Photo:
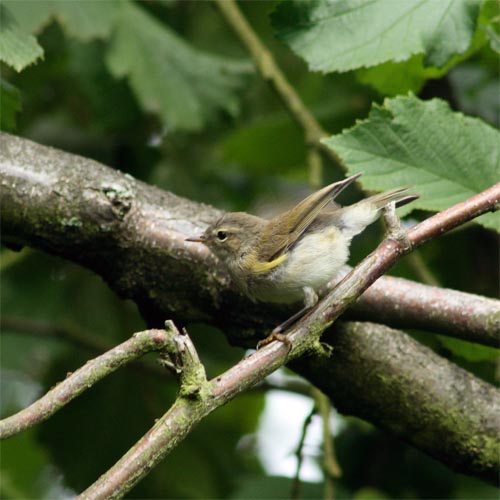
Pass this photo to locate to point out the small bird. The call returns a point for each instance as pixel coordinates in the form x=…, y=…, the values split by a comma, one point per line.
x=292, y=256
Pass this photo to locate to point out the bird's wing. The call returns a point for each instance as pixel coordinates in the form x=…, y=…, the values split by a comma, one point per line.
x=284, y=230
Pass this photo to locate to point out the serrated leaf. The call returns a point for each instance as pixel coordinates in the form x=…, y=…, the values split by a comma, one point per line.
x=340, y=35
x=10, y=104
x=447, y=156
x=183, y=85
x=393, y=78
x=18, y=48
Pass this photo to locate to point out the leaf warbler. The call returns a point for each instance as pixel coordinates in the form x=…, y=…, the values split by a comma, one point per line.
x=292, y=256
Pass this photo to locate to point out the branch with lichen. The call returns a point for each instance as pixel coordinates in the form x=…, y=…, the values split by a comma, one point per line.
x=469, y=446
x=129, y=233
x=305, y=337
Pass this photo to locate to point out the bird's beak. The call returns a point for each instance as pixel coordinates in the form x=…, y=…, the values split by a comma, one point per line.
x=196, y=239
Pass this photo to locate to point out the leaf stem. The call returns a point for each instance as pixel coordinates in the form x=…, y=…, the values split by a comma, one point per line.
x=271, y=73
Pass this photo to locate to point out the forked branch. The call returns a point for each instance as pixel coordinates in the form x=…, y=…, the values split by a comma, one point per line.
x=185, y=413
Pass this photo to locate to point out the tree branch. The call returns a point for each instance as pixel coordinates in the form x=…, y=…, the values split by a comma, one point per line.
x=441, y=310
x=84, y=378
x=467, y=416
x=131, y=233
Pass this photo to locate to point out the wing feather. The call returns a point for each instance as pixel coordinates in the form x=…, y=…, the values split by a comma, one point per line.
x=284, y=230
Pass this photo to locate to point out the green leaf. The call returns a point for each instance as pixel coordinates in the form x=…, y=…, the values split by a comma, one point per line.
x=489, y=22
x=84, y=20
x=393, y=78
x=468, y=350
x=183, y=85
x=10, y=104
x=18, y=48
x=271, y=143
x=346, y=34
x=447, y=156
x=32, y=15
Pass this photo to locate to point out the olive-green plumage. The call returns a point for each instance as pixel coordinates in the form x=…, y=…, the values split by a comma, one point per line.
x=293, y=255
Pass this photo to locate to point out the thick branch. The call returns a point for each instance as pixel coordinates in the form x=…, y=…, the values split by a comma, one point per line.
x=480, y=458
x=413, y=400
x=132, y=234
x=431, y=308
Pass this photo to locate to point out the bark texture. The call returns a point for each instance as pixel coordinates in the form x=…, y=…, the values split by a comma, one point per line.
x=425, y=400
x=132, y=234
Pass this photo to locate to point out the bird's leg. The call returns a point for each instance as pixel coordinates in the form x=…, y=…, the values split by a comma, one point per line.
x=310, y=300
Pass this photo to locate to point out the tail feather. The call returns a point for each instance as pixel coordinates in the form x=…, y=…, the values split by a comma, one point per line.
x=399, y=195
x=355, y=218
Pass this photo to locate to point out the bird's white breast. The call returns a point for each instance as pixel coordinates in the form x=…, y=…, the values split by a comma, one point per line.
x=312, y=262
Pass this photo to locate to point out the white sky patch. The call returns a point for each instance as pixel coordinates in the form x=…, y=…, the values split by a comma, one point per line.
x=279, y=433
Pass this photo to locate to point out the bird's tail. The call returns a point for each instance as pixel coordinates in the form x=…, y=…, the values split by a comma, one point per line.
x=400, y=195
x=355, y=218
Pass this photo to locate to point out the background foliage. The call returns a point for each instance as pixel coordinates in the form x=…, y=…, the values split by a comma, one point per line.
x=162, y=90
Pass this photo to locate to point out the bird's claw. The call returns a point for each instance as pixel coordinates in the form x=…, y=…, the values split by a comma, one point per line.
x=275, y=336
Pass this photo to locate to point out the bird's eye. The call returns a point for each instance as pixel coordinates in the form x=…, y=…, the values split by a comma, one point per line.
x=221, y=235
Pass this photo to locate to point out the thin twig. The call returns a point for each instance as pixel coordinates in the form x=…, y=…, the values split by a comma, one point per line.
x=83, y=379
x=299, y=453
x=331, y=467
x=391, y=250
x=270, y=71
